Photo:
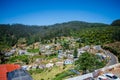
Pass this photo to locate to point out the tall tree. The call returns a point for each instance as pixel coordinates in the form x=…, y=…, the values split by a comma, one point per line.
x=88, y=62
x=75, y=53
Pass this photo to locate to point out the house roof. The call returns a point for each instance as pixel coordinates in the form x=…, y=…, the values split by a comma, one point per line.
x=5, y=68
x=19, y=74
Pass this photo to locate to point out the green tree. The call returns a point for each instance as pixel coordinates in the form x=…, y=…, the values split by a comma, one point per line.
x=80, y=45
x=75, y=53
x=88, y=62
x=116, y=35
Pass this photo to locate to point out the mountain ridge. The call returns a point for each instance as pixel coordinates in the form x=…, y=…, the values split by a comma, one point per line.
x=81, y=22
x=10, y=34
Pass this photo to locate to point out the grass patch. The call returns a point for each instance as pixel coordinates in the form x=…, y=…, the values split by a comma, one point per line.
x=33, y=50
x=35, y=71
x=62, y=75
x=49, y=74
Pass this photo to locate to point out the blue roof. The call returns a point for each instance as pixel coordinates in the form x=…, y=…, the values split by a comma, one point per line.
x=19, y=74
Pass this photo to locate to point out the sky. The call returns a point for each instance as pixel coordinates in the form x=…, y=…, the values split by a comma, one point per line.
x=48, y=12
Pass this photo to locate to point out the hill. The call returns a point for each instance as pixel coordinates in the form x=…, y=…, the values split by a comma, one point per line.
x=90, y=33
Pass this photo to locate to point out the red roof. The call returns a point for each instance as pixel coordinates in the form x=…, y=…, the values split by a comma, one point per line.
x=4, y=68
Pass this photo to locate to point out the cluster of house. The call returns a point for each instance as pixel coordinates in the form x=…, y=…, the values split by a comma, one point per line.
x=67, y=55
x=36, y=66
x=96, y=50
x=64, y=56
x=45, y=49
x=18, y=52
x=48, y=65
x=49, y=49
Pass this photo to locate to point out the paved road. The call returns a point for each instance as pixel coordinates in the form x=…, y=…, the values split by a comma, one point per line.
x=113, y=59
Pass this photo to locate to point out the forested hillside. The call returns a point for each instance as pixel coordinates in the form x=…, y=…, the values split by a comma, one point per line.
x=89, y=33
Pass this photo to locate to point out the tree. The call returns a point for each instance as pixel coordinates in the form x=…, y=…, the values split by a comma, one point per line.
x=80, y=45
x=116, y=35
x=75, y=53
x=2, y=58
x=88, y=62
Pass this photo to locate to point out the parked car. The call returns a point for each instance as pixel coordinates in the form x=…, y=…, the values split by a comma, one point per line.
x=111, y=76
x=102, y=78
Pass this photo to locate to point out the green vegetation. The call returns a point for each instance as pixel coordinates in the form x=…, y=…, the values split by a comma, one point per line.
x=62, y=75
x=51, y=56
x=98, y=35
x=9, y=33
x=20, y=58
x=49, y=74
x=35, y=71
x=64, y=44
x=84, y=34
x=33, y=50
x=90, y=33
x=75, y=53
x=88, y=62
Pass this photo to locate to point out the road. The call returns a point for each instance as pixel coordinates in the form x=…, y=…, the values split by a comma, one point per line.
x=113, y=59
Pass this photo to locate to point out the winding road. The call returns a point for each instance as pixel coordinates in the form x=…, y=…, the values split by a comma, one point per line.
x=113, y=59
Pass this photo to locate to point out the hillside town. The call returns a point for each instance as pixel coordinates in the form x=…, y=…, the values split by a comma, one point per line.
x=62, y=54
x=59, y=40
x=59, y=52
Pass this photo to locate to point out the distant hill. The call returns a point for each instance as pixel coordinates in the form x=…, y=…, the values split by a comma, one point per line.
x=10, y=34
x=78, y=25
x=116, y=22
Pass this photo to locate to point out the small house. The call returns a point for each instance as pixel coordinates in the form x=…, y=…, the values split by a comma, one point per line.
x=70, y=56
x=97, y=47
x=21, y=52
x=42, y=66
x=68, y=61
x=8, y=54
x=85, y=48
x=59, y=63
x=80, y=52
x=47, y=47
x=49, y=65
x=35, y=66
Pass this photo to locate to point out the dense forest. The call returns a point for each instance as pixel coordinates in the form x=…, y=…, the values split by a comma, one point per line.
x=89, y=33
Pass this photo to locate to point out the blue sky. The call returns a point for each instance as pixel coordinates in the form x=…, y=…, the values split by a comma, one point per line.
x=47, y=12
